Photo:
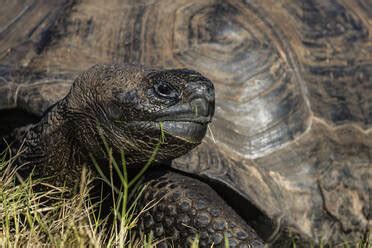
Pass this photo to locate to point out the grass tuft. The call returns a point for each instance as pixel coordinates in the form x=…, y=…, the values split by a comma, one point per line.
x=34, y=219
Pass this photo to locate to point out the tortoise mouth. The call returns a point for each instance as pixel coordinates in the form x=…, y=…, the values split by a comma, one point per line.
x=190, y=131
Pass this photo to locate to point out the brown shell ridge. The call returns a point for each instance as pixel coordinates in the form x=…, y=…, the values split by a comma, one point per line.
x=317, y=175
x=330, y=127
x=283, y=54
x=364, y=130
x=333, y=48
x=292, y=60
x=34, y=97
x=27, y=28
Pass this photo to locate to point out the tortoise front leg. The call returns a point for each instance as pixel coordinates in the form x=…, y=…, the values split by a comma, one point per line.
x=186, y=207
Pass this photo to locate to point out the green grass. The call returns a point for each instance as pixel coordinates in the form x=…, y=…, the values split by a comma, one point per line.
x=34, y=219
x=29, y=218
x=48, y=219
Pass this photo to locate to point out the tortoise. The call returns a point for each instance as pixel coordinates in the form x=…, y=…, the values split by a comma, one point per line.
x=290, y=144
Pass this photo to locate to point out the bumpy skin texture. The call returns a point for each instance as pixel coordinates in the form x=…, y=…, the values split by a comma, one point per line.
x=186, y=207
x=128, y=107
x=292, y=132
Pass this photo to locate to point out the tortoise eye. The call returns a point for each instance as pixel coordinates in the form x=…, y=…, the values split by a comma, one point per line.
x=164, y=90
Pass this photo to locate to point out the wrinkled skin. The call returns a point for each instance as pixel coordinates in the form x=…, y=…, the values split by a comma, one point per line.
x=292, y=128
x=136, y=111
x=127, y=106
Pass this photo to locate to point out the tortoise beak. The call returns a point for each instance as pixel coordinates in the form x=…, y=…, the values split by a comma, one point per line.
x=188, y=120
x=192, y=132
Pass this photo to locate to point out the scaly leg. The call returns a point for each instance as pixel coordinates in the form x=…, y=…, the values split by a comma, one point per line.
x=186, y=207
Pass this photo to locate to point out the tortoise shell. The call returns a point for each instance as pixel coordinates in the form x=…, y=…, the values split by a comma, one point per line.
x=292, y=127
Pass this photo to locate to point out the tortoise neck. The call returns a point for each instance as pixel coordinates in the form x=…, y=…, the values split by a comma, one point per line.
x=51, y=150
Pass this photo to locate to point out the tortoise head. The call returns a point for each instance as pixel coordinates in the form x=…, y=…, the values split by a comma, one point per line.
x=133, y=108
